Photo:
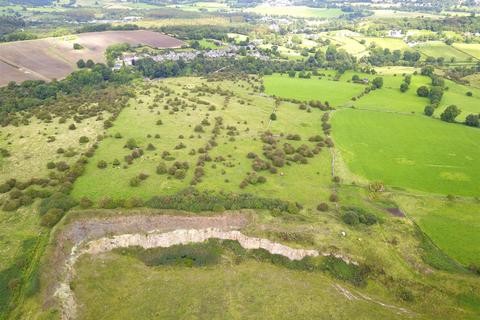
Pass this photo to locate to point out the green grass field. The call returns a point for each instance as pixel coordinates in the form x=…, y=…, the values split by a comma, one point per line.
x=412, y=152
x=251, y=118
x=208, y=44
x=394, y=14
x=349, y=44
x=457, y=95
x=452, y=225
x=324, y=89
x=390, y=98
x=385, y=43
x=439, y=49
x=472, y=49
x=250, y=290
x=19, y=232
x=296, y=11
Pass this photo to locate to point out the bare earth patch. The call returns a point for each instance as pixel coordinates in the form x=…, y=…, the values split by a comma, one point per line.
x=396, y=212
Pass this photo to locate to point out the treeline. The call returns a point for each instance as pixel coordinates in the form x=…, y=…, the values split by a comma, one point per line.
x=384, y=57
x=435, y=93
x=9, y=26
x=457, y=24
x=106, y=27
x=193, y=200
x=186, y=32
x=31, y=2
x=31, y=93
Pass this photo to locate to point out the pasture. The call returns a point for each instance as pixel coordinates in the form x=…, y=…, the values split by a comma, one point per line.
x=218, y=291
x=385, y=43
x=349, y=44
x=410, y=152
x=390, y=98
x=246, y=116
x=438, y=49
x=296, y=11
x=452, y=225
x=324, y=89
x=55, y=58
x=397, y=14
x=457, y=95
x=472, y=49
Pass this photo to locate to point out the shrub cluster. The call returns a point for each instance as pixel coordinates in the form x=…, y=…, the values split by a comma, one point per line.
x=354, y=216
x=193, y=200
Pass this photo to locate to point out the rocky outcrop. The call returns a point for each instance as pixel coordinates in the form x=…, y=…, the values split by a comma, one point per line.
x=155, y=240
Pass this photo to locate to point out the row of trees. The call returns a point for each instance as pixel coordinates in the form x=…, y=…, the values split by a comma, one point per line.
x=383, y=57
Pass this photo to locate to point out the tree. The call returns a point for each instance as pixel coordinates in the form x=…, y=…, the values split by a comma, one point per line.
x=450, y=113
x=473, y=120
x=436, y=94
x=423, y=91
x=404, y=87
x=355, y=78
x=81, y=64
x=377, y=82
x=102, y=164
x=291, y=73
x=89, y=64
x=427, y=71
x=195, y=45
x=273, y=117
x=429, y=110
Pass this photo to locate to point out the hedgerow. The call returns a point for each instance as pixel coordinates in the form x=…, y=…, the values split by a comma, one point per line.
x=193, y=200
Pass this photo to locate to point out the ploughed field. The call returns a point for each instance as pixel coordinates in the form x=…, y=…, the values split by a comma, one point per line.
x=55, y=58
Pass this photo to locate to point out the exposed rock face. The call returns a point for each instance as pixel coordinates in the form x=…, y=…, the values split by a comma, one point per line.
x=94, y=236
x=154, y=240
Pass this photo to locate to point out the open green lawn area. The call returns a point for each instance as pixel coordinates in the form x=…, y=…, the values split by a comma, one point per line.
x=19, y=232
x=412, y=152
x=457, y=95
x=349, y=44
x=244, y=120
x=208, y=44
x=385, y=43
x=296, y=11
x=439, y=49
x=249, y=290
x=390, y=98
x=472, y=49
x=337, y=93
x=394, y=14
x=452, y=225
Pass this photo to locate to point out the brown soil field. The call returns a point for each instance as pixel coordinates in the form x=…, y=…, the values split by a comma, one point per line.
x=14, y=74
x=54, y=58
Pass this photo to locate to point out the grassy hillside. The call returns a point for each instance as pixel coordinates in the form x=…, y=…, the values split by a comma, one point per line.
x=245, y=114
